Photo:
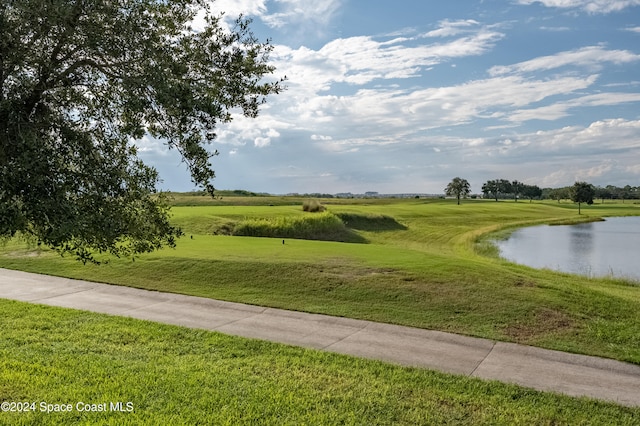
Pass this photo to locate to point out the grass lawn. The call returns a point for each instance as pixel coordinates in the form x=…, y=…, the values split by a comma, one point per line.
x=173, y=375
x=426, y=267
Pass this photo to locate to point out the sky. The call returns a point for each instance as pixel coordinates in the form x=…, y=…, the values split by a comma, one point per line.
x=402, y=96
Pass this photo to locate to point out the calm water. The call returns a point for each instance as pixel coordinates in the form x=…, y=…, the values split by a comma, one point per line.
x=610, y=248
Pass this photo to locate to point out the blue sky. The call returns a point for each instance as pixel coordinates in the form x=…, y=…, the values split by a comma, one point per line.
x=403, y=96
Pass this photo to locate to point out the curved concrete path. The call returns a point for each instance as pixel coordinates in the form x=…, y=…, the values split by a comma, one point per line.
x=547, y=370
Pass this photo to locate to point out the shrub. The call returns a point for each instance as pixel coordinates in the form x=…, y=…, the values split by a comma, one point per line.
x=312, y=206
x=324, y=226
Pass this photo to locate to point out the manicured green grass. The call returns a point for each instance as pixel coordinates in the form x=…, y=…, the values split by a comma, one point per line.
x=172, y=375
x=420, y=267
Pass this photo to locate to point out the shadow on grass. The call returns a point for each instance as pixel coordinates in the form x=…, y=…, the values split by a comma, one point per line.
x=374, y=223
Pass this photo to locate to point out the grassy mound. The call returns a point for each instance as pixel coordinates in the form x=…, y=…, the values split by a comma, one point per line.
x=323, y=226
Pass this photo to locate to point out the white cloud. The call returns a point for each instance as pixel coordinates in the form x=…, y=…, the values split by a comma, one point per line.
x=278, y=13
x=555, y=29
x=452, y=28
x=388, y=114
x=590, y=6
x=260, y=131
x=361, y=60
x=613, y=134
x=454, y=105
x=600, y=138
x=262, y=142
x=561, y=109
x=601, y=152
x=319, y=12
x=151, y=145
x=410, y=106
x=593, y=170
x=265, y=139
x=321, y=138
x=633, y=169
x=591, y=56
x=233, y=8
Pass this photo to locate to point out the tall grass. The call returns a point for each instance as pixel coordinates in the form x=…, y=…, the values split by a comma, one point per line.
x=324, y=226
x=312, y=206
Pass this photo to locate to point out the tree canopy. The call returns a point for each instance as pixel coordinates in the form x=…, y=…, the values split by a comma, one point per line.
x=503, y=188
x=497, y=187
x=582, y=192
x=80, y=81
x=531, y=191
x=458, y=187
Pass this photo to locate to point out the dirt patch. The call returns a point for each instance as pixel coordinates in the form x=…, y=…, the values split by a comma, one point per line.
x=350, y=273
x=338, y=268
x=543, y=321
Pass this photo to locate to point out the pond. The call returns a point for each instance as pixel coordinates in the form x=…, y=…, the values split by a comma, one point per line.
x=610, y=248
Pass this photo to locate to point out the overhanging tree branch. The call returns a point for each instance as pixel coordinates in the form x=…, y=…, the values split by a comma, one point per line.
x=86, y=77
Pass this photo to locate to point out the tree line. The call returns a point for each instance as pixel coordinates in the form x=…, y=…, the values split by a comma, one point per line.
x=609, y=192
x=502, y=188
x=580, y=192
x=505, y=189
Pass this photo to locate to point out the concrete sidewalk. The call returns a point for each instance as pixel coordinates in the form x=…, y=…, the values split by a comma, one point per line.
x=575, y=375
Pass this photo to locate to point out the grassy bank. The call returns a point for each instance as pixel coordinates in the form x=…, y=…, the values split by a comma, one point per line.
x=419, y=268
x=172, y=375
x=323, y=226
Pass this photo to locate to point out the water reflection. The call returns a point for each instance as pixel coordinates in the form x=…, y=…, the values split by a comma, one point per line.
x=610, y=248
x=581, y=248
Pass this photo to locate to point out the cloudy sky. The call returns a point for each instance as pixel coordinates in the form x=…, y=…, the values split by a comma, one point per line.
x=402, y=96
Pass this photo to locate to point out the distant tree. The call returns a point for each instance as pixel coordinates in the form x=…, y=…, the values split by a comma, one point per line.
x=618, y=193
x=490, y=187
x=516, y=187
x=559, y=194
x=531, y=191
x=613, y=190
x=458, y=187
x=626, y=192
x=504, y=186
x=602, y=193
x=582, y=192
x=497, y=187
